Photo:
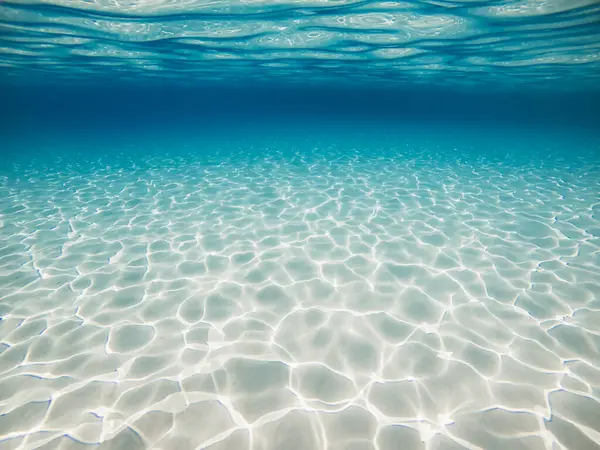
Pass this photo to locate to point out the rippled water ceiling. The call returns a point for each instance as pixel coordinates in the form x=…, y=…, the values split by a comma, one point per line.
x=494, y=44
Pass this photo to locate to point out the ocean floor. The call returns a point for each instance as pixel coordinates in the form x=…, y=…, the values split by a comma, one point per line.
x=377, y=291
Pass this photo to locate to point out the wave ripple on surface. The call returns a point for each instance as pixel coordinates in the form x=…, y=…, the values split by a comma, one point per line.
x=532, y=43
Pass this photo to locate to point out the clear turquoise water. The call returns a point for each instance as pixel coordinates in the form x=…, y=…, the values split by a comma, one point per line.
x=433, y=285
x=301, y=225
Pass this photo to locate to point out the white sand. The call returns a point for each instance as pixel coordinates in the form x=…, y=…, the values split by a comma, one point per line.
x=301, y=303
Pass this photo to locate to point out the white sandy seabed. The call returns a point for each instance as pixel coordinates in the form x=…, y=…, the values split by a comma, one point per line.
x=387, y=302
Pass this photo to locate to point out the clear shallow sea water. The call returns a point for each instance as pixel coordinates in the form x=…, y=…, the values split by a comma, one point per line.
x=302, y=225
x=321, y=286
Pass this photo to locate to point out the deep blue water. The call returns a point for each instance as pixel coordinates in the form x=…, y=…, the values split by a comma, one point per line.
x=300, y=224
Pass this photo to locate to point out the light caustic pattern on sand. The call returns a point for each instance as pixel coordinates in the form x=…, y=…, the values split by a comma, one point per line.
x=304, y=302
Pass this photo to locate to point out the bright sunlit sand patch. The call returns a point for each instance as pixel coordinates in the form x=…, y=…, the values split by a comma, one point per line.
x=303, y=300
